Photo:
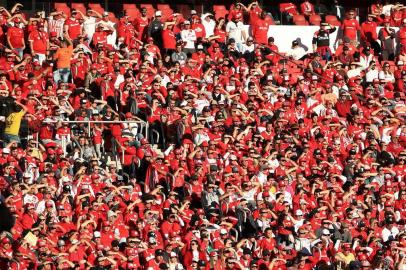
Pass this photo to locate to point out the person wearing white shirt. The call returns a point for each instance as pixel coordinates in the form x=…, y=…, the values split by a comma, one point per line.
x=188, y=36
x=235, y=31
x=372, y=72
x=355, y=70
x=89, y=22
x=209, y=24
x=249, y=46
x=297, y=52
x=389, y=232
x=112, y=38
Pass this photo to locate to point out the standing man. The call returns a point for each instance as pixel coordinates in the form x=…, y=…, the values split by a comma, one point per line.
x=387, y=37
x=260, y=29
x=72, y=26
x=321, y=40
x=155, y=29
x=235, y=30
x=15, y=37
x=89, y=22
x=111, y=28
x=13, y=122
x=368, y=33
x=188, y=36
x=39, y=43
x=63, y=60
x=351, y=28
x=141, y=24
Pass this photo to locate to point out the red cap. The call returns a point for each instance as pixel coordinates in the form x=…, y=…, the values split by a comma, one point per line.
x=49, y=204
x=50, y=151
x=339, y=77
x=5, y=240
x=150, y=39
x=106, y=223
x=128, y=115
x=282, y=183
x=386, y=20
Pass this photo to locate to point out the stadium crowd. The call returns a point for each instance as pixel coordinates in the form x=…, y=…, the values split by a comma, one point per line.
x=253, y=159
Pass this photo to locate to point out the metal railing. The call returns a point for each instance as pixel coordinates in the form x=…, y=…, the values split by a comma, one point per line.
x=143, y=127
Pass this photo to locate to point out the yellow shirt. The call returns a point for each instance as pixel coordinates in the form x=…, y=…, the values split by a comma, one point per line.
x=13, y=122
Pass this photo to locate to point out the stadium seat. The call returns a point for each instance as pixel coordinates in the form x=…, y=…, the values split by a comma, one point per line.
x=300, y=20
x=219, y=7
x=331, y=19
x=150, y=9
x=65, y=10
x=269, y=20
x=166, y=13
x=112, y=17
x=220, y=14
x=129, y=6
x=163, y=7
x=96, y=7
x=315, y=19
x=60, y=5
x=80, y=7
x=132, y=12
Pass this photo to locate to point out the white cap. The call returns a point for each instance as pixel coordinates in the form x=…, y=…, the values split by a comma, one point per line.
x=111, y=214
x=105, y=13
x=27, y=175
x=233, y=157
x=158, y=13
x=193, y=12
x=299, y=212
x=315, y=242
x=173, y=254
x=200, y=47
x=223, y=231
x=314, y=77
x=400, y=62
x=6, y=150
x=325, y=232
x=74, y=241
x=96, y=234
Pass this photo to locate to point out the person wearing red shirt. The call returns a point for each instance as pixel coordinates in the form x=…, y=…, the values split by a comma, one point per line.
x=39, y=43
x=307, y=8
x=73, y=27
x=100, y=36
x=288, y=10
x=351, y=28
x=198, y=27
x=260, y=29
x=141, y=24
x=369, y=34
x=168, y=38
x=15, y=37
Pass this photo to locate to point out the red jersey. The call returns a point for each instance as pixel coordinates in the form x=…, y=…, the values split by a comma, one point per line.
x=350, y=28
x=74, y=28
x=39, y=41
x=16, y=36
x=260, y=31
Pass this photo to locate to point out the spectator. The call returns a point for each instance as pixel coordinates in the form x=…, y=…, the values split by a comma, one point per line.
x=387, y=36
x=63, y=57
x=189, y=37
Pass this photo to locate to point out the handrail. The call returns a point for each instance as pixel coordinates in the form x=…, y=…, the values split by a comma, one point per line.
x=144, y=123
